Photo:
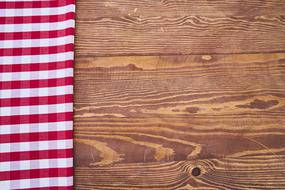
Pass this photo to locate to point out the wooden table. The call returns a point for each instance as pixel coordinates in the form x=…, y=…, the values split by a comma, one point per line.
x=180, y=94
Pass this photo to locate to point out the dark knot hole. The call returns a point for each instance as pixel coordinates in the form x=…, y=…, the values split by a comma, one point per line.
x=196, y=171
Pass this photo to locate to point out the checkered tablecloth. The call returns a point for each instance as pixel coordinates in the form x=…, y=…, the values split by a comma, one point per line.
x=36, y=89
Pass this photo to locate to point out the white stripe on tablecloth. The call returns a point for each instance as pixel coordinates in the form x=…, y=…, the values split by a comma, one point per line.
x=45, y=42
x=37, y=183
x=36, y=92
x=35, y=164
x=36, y=109
x=28, y=59
x=36, y=26
x=35, y=145
x=36, y=75
x=36, y=127
x=37, y=11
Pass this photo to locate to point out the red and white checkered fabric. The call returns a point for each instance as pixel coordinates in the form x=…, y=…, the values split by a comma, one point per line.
x=36, y=88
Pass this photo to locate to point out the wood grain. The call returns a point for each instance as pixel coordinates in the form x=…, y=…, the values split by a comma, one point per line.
x=179, y=27
x=143, y=122
x=166, y=86
x=90, y=9
x=252, y=172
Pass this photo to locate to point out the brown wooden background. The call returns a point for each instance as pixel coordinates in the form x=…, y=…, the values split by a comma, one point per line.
x=165, y=86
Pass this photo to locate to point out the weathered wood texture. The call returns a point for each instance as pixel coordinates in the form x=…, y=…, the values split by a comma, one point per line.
x=144, y=122
x=116, y=27
x=164, y=86
x=253, y=172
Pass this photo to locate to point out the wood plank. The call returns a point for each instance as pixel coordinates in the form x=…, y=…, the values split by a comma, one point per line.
x=179, y=27
x=253, y=172
x=175, y=108
x=135, y=117
x=90, y=9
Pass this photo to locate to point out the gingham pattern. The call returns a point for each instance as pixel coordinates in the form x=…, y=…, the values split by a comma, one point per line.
x=36, y=87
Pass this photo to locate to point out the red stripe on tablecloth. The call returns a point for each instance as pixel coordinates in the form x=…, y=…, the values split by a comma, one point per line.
x=36, y=66
x=36, y=34
x=36, y=155
x=36, y=173
x=41, y=136
x=35, y=118
x=36, y=83
x=36, y=50
x=30, y=101
x=35, y=4
x=36, y=19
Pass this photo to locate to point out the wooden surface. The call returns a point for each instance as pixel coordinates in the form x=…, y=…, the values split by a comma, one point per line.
x=164, y=87
x=116, y=27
